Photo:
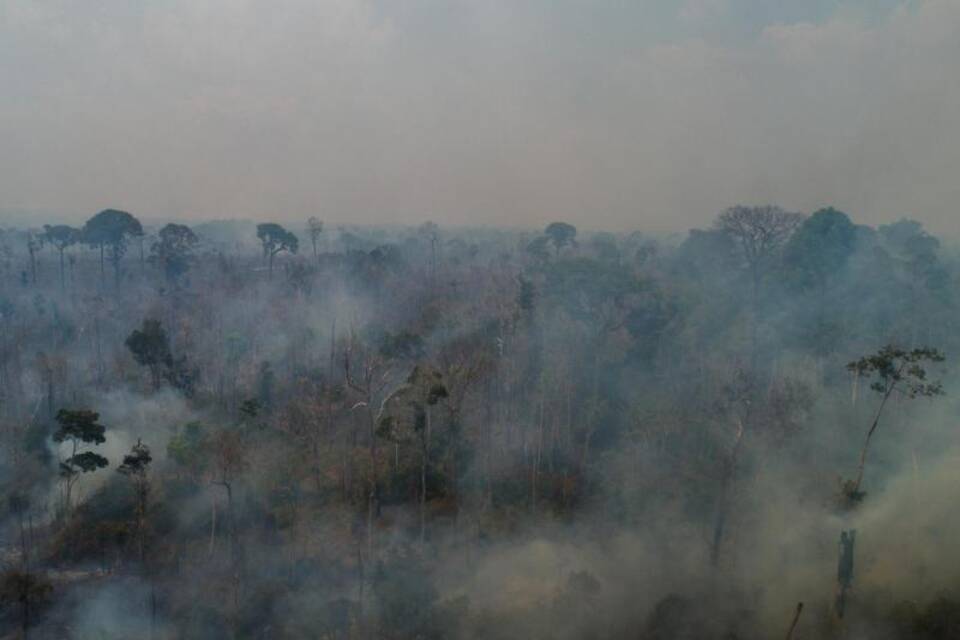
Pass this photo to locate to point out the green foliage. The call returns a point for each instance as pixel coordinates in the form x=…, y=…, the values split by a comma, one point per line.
x=561, y=235
x=61, y=236
x=275, y=239
x=893, y=368
x=84, y=462
x=150, y=345
x=173, y=251
x=111, y=227
x=820, y=249
x=79, y=425
x=137, y=461
x=76, y=428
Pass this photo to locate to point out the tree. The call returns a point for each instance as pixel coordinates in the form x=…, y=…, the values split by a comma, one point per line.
x=917, y=251
x=315, y=230
x=367, y=365
x=410, y=406
x=759, y=233
x=892, y=370
x=62, y=237
x=134, y=466
x=537, y=248
x=150, y=347
x=78, y=428
x=431, y=232
x=109, y=231
x=561, y=235
x=276, y=239
x=35, y=243
x=173, y=251
x=820, y=247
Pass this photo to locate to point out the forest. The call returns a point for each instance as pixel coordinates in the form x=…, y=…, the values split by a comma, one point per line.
x=247, y=429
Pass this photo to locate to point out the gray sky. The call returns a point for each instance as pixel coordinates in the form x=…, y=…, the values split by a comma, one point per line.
x=617, y=114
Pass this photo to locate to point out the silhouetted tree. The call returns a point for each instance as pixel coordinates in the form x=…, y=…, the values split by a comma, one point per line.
x=820, y=248
x=109, y=231
x=561, y=235
x=173, y=251
x=35, y=242
x=62, y=237
x=275, y=239
x=150, y=347
x=135, y=466
x=892, y=370
x=78, y=428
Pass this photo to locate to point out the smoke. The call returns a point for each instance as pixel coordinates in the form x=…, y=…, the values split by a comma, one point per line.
x=479, y=112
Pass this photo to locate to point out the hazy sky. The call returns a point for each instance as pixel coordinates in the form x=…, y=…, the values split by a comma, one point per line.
x=619, y=114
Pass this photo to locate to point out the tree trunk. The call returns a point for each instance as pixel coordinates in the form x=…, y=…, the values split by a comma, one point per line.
x=423, y=480
x=723, y=499
x=213, y=526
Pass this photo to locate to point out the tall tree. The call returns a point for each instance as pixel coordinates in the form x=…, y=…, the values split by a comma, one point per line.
x=892, y=370
x=150, y=347
x=62, y=237
x=77, y=429
x=35, y=242
x=820, y=247
x=135, y=466
x=561, y=235
x=275, y=239
x=109, y=232
x=410, y=407
x=173, y=251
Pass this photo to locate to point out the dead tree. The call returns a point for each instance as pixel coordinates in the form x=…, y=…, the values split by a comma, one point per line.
x=845, y=569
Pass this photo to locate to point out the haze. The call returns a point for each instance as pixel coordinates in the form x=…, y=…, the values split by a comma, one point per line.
x=610, y=115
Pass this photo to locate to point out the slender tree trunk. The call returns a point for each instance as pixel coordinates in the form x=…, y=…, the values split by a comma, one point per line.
x=423, y=479
x=755, y=324
x=213, y=526
x=538, y=453
x=63, y=275
x=866, y=443
x=723, y=499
